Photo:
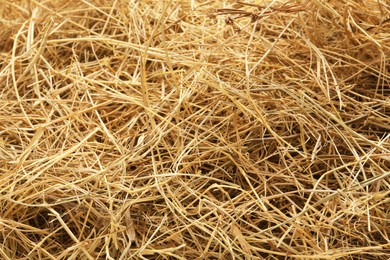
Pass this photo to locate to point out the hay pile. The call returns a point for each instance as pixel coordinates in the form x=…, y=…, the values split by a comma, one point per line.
x=194, y=129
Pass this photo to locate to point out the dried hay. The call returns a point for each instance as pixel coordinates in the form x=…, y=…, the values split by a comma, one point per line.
x=190, y=129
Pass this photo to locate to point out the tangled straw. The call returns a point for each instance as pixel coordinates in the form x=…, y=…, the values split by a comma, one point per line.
x=189, y=130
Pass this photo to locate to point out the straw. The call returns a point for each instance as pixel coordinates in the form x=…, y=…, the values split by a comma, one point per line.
x=194, y=130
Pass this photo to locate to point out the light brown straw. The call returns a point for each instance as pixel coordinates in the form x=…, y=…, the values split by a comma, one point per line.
x=194, y=129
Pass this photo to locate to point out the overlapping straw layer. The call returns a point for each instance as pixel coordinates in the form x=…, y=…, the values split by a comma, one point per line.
x=194, y=129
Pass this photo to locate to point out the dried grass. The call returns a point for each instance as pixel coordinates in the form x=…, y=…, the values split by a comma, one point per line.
x=189, y=129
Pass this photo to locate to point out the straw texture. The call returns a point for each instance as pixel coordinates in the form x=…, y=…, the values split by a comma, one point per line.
x=194, y=129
